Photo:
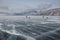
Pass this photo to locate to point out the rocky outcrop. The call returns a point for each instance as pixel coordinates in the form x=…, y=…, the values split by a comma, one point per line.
x=51, y=12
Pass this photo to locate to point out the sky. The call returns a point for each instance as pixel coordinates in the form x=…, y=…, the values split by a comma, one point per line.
x=22, y=5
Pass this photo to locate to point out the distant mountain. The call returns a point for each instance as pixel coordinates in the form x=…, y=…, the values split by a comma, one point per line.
x=35, y=12
x=27, y=12
x=52, y=12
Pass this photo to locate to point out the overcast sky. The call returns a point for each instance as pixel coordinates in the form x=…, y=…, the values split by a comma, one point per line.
x=22, y=5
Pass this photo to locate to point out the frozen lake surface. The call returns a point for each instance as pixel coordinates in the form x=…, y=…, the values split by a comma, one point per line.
x=31, y=28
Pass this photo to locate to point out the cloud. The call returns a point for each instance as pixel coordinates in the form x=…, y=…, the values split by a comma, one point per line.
x=11, y=7
x=44, y=5
x=3, y=8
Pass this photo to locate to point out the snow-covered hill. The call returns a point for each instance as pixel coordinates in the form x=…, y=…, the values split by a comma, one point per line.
x=50, y=12
x=35, y=12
